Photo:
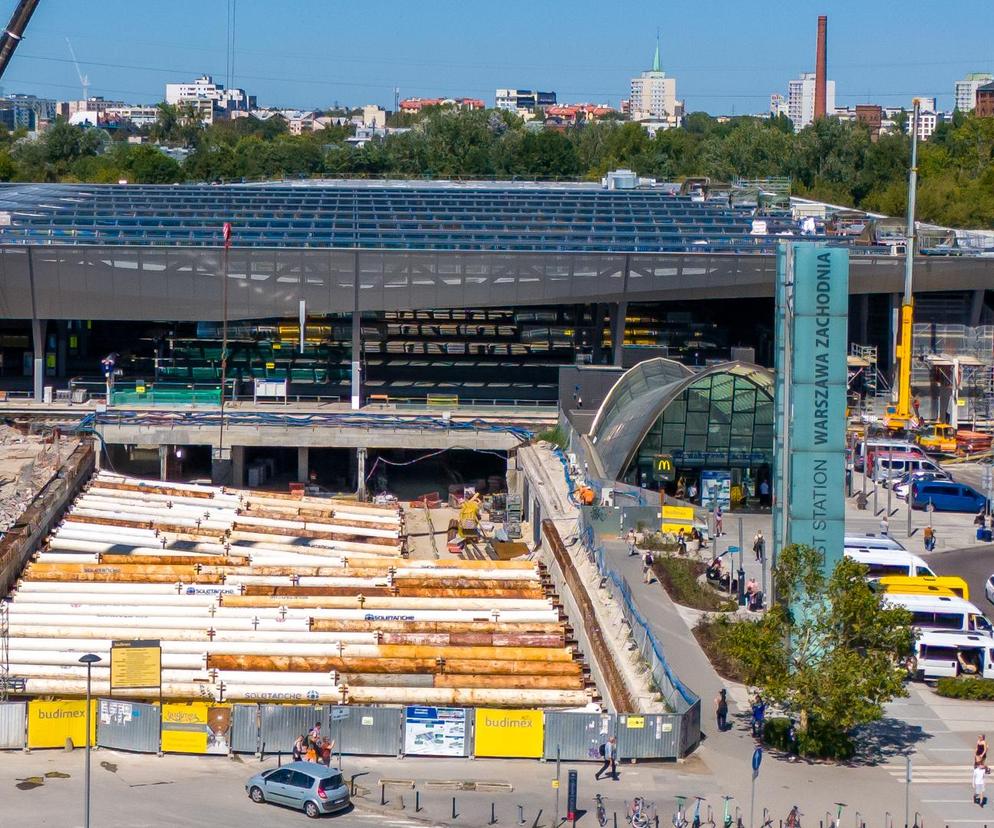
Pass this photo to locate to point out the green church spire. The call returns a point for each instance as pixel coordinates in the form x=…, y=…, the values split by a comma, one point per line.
x=655, y=59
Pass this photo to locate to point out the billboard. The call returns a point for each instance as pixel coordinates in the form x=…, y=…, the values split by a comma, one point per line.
x=509, y=733
x=50, y=723
x=435, y=731
x=135, y=665
x=810, y=398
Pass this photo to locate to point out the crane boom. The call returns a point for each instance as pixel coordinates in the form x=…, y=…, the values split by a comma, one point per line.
x=15, y=31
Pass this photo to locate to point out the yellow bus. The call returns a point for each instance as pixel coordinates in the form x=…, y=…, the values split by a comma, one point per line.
x=924, y=585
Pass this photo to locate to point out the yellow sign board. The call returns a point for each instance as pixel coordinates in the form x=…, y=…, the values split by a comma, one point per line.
x=50, y=723
x=139, y=389
x=509, y=733
x=635, y=722
x=678, y=513
x=555, y=783
x=135, y=665
x=184, y=728
x=270, y=366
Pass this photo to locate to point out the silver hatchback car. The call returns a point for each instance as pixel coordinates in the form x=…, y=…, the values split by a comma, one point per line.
x=306, y=786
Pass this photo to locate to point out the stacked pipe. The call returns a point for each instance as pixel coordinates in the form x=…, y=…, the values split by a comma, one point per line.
x=276, y=597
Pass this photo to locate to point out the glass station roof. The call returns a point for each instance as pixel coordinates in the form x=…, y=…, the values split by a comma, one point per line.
x=383, y=215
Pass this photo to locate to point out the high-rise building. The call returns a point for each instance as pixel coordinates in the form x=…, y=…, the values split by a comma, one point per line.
x=653, y=96
x=801, y=99
x=965, y=92
x=209, y=98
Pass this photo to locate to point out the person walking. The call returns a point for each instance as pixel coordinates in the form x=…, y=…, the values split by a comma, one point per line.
x=928, y=537
x=719, y=528
x=647, y=561
x=759, y=546
x=299, y=748
x=764, y=493
x=721, y=710
x=884, y=526
x=980, y=753
x=979, y=780
x=608, y=752
x=632, y=546
x=758, y=715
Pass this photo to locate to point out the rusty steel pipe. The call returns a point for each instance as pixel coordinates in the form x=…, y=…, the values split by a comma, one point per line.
x=513, y=682
x=482, y=627
x=469, y=667
x=112, y=559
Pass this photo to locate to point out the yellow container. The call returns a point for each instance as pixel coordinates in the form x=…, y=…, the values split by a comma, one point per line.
x=925, y=585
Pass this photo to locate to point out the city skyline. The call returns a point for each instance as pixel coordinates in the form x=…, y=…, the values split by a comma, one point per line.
x=445, y=50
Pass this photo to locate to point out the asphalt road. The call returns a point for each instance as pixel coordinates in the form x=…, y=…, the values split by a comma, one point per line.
x=975, y=565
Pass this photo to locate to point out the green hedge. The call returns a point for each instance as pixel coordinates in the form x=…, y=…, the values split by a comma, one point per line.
x=679, y=577
x=815, y=743
x=710, y=632
x=976, y=689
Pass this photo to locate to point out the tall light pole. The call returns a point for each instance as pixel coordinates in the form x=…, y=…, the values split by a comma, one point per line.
x=89, y=660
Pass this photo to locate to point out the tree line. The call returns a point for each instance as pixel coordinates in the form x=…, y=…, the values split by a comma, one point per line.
x=828, y=160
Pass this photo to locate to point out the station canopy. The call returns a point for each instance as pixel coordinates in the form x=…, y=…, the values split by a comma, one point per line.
x=398, y=215
x=719, y=417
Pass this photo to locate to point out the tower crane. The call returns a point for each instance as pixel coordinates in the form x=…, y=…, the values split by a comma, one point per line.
x=84, y=80
x=15, y=31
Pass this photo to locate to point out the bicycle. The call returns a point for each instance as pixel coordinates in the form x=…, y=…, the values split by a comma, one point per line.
x=767, y=819
x=793, y=818
x=697, y=812
x=679, y=819
x=601, y=810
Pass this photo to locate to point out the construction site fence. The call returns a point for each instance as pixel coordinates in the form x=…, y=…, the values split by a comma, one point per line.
x=205, y=728
x=678, y=697
x=20, y=541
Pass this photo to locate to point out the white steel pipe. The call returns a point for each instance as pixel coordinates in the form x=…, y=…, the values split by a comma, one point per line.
x=123, y=622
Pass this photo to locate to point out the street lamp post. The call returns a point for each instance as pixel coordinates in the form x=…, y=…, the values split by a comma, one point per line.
x=89, y=660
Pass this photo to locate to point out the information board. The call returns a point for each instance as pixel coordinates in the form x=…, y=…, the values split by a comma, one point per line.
x=135, y=665
x=435, y=731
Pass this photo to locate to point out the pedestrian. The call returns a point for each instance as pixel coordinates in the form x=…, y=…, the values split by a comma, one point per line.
x=884, y=526
x=764, y=493
x=979, y=778
x=759, y=546
x=632, y=550
x=608, y=753
x=681, y=542
x=980, y=754
x=647, y=567
x=929, y=538
x=314, y=736
x=692, y=492
x=718, y=527
x=758, y=715
x=299, y=748
x=327, y=746
x=721, y=710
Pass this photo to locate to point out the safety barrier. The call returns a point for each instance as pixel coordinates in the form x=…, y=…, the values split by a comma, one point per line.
x=13, y=723
x=127, y=725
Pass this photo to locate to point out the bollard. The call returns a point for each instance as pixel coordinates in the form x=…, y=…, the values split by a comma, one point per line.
x=401, y=807
x=352, y=785
x=493, y=814
x=417, y=802
x=454, y=814
x=615, y=819
x=521, y=815
x=383, y=794
x=537, y=818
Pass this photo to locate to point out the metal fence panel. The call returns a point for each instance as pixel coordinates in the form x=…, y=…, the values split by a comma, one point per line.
x=576, y=735
x=369, y=731
x=126, y=725
x=13, y=718
x=690, y=728
x=649, y=736
x=281, y=724
x=245, y=728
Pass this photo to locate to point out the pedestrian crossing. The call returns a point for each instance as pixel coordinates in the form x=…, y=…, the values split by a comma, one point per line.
x=934, y=774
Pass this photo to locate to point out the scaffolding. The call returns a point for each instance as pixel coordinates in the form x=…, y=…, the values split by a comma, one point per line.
x=4, y=650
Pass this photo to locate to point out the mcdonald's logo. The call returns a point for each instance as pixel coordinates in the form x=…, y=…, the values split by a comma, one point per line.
x=662, y=468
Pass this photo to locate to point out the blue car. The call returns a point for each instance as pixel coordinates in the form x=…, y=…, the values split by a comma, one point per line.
x=946, y=496
x=307, y=786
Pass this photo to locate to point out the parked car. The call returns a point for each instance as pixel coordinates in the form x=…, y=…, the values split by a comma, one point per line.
x=306, y=786
x=903, y=485
x=946, y=496
x=989, y=589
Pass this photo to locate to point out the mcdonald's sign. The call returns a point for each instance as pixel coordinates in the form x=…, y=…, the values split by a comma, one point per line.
x=663, y=470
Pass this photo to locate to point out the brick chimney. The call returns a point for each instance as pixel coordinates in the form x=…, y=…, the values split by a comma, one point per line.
x=820, y=61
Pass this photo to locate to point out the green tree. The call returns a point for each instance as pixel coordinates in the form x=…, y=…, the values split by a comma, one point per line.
x=830, y=651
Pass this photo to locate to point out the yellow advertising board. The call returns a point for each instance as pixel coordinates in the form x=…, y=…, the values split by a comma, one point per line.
x=50, y=723
x=635, y=722
x=196, y=727
x=135, y=665
x=676, y=518
x=509, y=733
x=184, y=728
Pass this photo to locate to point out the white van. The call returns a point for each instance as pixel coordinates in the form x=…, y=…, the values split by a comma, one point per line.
x=942, y=612
x=865, y=447
x=883, y=562
x=886, y=469
x=871, y=541
x=940, y=653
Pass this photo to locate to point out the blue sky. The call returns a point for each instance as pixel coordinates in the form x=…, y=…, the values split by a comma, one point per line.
x=727, y=55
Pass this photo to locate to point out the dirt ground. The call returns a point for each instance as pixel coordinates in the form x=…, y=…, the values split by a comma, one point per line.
x=27, y=463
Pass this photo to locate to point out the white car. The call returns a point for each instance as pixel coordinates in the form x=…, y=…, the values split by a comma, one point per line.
x=903, y=485
x=989, y=589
